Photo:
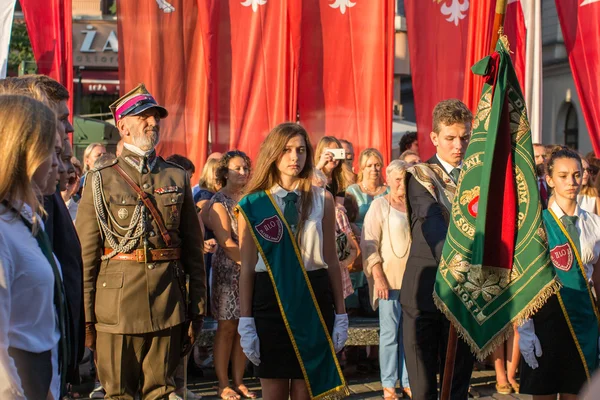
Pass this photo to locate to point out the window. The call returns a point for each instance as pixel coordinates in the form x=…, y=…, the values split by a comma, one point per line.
x=109, y=7
x=571, y=128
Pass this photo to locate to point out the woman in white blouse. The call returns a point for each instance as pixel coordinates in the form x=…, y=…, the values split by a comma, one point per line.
x=29, y=332
x=588, y=198
x=385, y=245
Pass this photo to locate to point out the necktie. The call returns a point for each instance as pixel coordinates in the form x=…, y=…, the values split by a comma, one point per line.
x=543, y=193
x=571, y=227
x=290, y=211
x=455, y=174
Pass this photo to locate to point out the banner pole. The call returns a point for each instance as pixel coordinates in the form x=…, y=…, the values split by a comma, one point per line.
x=452, y=335
x=498, y=22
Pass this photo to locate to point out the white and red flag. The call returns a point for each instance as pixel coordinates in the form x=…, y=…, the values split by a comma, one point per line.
x=580, y=24
x=346, y=71
x=252, y=71
x=162, y=44
x=50, y=30
x=437, y=41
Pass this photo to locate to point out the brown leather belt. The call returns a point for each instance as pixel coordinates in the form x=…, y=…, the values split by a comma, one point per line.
x=151, y=255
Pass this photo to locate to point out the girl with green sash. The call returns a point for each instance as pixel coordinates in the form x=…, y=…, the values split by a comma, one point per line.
x=560, y=343
x=293, y=320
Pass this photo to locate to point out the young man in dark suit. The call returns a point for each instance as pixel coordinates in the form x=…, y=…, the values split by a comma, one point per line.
x=430, y=188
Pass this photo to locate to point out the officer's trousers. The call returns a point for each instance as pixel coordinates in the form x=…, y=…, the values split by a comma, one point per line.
x=145, y=363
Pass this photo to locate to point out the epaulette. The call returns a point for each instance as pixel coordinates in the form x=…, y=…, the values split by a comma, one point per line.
x=171, y=163
x=102, y=163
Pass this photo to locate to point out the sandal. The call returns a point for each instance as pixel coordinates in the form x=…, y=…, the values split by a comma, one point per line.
x=228, y=393
x=390, y=394
x=504, y=389
x=407, y=392
x=516, y=387
x=245, y=393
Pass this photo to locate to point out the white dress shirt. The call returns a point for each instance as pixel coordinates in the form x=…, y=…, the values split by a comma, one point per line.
x=588, y=226
x=448, y=167
x=27, y=313
x=312, y=233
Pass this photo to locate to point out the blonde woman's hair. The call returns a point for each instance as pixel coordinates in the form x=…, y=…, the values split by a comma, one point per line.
x=208, y=178
x=28, y=134
x=362, y=162
x=87, y=153
x=338, y=178
x=266, y=175
x=588, y=189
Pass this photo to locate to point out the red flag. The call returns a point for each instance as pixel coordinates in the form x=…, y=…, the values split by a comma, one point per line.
x=162, y=44
x=479, y=39
x=252, y=71
x=579, y=21
x=50, y=31
x=437, y=42
x=346, y=71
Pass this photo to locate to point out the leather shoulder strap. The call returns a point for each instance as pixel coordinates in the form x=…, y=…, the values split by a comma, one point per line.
x=146, y=200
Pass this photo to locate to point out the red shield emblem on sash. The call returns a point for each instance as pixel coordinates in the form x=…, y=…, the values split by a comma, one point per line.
x=271, y=229
x=562, y=257
x=473, y=207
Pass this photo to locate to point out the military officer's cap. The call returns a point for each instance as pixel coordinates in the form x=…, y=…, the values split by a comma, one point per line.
x=135, y=102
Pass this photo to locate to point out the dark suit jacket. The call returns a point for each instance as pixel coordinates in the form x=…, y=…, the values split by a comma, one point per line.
x=67, y=249
x=429, y=226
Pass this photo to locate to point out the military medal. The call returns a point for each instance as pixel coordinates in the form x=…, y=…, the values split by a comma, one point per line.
x=123, y=213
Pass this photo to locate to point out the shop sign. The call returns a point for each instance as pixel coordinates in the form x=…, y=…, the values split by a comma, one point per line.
x=95, y=44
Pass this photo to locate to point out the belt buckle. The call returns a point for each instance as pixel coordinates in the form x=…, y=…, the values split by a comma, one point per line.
x=142, y=255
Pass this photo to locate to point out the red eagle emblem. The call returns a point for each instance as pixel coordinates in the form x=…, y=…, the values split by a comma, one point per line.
x=562, y=257
x=271, y=229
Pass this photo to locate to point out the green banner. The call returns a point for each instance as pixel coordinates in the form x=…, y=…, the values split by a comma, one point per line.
x=495, y=269
x=299, y=309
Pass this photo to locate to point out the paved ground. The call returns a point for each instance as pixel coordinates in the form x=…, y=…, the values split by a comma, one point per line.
x=362, y=386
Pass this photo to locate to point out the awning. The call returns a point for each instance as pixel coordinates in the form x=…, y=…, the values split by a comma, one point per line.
x=98, y=82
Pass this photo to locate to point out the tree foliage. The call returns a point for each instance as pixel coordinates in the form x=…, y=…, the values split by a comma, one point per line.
x=20, y=48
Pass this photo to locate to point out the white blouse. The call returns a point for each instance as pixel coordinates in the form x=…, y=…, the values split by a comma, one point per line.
x=385, y=240
x=588, y=226
x=27, y=313
x=312, y=234
x=587, y=203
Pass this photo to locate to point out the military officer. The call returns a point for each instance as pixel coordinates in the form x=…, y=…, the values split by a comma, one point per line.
x=140, y=237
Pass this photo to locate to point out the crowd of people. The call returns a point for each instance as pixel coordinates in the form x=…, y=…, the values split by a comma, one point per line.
x=123, y=254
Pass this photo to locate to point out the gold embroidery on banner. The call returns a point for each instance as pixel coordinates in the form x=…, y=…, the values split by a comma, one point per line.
x=484, y=110
x=469, y=195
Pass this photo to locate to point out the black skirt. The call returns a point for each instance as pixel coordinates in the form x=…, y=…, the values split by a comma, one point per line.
x=277, y=356
x=560, y=366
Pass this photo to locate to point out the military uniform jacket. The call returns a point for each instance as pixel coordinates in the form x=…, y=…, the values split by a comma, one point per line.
x=130, y=297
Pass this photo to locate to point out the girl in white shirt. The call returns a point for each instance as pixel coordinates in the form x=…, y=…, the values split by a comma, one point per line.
x=28, y=320
x=296, y=275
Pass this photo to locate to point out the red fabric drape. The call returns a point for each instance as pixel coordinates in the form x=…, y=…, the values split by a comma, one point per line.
x=481, y=21
x=346, y=72
x=252, y=71
x=580, y=24
x=163, y=44
x=50, y=30
x=437, y=42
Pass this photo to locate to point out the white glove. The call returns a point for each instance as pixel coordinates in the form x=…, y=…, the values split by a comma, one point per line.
x=249, y=339
x=529, y=344
x=340, y=332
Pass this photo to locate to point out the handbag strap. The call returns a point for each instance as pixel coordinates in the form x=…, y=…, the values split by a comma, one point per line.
x=146, y=200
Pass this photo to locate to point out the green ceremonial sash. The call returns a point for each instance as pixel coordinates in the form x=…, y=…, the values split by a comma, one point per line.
x=575, y=296
x=495, y=270
x=299, y=309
